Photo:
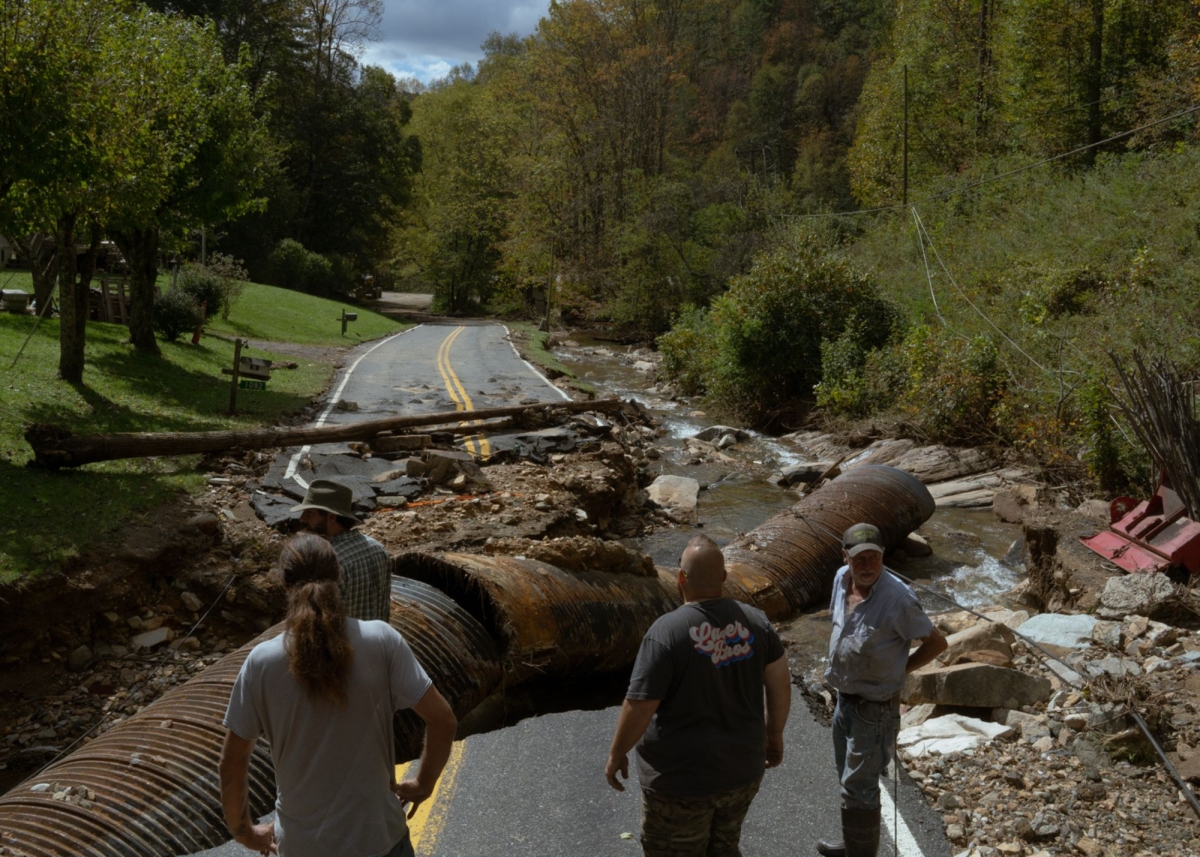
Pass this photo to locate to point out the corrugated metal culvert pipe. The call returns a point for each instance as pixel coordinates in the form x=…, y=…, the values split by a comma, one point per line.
x=149, y=786
x=788, y=563
x=549, y=622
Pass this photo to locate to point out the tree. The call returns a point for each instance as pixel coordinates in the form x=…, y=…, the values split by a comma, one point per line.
x=191, y=151
x=458, y=219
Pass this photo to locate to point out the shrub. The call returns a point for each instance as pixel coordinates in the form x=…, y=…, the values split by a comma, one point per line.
x=294, y=267
x=204, y=285
x=233, y=276
x=954, y=383
x=217, y=285
x=689, y=350
x=770, y=325
x=176, y=312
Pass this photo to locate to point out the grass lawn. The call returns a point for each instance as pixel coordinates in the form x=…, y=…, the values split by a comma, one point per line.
x=51, y=517
x=531, y=342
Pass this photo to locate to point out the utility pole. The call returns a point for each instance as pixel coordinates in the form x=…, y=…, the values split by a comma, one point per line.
x=905, y=192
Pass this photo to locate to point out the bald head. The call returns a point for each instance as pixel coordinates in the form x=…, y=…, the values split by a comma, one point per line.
x=703, y=567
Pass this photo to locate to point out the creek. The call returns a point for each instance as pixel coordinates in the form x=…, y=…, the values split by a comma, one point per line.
x=969, y=546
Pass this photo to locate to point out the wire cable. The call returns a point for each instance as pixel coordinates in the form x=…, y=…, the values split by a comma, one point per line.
x=971, y=303
x=925, y=260
x=1007, y=174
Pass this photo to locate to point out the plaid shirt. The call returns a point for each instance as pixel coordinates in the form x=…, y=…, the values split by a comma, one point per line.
x=366, y=575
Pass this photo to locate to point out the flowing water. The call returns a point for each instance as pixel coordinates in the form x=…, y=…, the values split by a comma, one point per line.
x=969, y=546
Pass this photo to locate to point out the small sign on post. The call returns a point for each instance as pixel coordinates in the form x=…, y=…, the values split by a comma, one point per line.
x=346, y=318
x=249, y=373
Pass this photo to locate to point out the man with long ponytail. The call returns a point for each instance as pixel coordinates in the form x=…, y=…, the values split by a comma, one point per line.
x=323, y=694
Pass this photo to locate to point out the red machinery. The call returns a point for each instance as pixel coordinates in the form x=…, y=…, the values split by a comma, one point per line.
x=1151, y=535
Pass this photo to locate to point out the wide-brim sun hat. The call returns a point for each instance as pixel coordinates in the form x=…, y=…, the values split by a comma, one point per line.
x=329, y=496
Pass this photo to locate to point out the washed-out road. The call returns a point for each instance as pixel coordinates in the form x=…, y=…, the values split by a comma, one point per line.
x=538, y=788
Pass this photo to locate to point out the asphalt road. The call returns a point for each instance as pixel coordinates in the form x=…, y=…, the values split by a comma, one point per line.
x=538, y=787
x=434, y=367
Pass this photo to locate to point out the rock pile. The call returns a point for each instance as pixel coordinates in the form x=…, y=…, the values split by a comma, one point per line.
x=1059, y=768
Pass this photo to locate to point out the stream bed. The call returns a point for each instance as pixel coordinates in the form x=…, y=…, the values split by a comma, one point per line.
x=969, y=546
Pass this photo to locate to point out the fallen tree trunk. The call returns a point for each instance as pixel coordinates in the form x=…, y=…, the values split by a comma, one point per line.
x=55, y=446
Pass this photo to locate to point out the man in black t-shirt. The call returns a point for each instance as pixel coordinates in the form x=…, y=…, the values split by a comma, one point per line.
x=695, y=701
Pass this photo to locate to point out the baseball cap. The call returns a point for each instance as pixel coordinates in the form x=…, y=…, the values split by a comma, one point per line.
x=862, y=537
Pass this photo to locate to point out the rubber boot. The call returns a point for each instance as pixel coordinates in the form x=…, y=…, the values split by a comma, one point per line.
x=831, y=847
x=860, y=832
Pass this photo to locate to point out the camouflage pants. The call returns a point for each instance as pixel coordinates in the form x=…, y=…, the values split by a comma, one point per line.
x=708, y=826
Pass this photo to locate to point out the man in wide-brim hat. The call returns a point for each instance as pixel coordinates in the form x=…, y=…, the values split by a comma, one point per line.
x=366, y=568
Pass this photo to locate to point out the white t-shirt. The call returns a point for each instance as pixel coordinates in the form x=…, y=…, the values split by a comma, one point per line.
x=333, y=764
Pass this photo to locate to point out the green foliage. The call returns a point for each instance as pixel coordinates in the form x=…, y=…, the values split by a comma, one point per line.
x=689, y=350
x=953, y=385
x=204, y=285
x=856, y=381
x=175, y=313
x=233, y=279
x=760, y=347
x=293, y=267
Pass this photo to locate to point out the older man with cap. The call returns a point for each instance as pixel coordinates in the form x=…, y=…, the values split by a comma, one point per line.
x=876, y=617
x=366, y=568
x=708, y=699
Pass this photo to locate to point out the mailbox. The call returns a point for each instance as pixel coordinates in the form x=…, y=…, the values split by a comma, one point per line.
x=347, y=317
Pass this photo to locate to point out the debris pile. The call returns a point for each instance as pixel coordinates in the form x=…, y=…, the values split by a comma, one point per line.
x=1066, y=768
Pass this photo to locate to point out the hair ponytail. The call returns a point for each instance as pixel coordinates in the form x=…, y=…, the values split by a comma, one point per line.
x=319, y=654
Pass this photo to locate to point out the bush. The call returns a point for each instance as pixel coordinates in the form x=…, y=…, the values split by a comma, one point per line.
x=689, y=350
x=768, y=328
x=954, y=383
x=176, y=312
x=294, y=267
x=204, y=285
x=216, y=285
x=233, y=276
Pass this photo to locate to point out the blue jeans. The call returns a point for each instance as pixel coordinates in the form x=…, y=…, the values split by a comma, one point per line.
x=403, y=848
x=864, y=733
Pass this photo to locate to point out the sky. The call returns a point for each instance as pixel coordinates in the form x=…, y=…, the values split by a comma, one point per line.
x=426, y=38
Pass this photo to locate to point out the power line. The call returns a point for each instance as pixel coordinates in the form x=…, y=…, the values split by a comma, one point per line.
x=972, y=185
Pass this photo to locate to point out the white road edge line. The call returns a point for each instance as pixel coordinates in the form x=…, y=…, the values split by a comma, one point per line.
x=906, y=843
x=290, y=473
x=532, y=368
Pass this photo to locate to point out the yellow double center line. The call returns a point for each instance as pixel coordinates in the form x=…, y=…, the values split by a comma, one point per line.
x=475, y=444
x=427, y=823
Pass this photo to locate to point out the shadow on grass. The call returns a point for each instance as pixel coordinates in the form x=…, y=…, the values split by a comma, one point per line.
x=163, y=396
x=53, y=517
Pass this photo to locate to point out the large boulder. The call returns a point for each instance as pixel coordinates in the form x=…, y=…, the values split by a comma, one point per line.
x=806, y=471
x=951, y=733
x=983, y=635
x=675, y=495
x=1142, y=594
x=1069, y=631
x=715, y=434
x=940, y=463
x=975, y=686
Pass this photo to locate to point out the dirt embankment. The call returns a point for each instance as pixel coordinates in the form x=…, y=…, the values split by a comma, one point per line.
x=84, y=649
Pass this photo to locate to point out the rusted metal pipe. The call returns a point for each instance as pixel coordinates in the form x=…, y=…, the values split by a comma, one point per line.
x=546, y=620
x=149, y=785
x=788, y=563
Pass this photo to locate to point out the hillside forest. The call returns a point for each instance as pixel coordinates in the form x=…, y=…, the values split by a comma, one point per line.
x=936, y=217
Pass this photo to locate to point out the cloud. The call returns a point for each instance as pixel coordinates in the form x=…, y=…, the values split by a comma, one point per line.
x=425, y=38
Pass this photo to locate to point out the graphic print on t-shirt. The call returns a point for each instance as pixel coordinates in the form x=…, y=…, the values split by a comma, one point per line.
x=723, y=646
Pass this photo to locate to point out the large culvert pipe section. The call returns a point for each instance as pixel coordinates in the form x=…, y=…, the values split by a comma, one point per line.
x=149, y=785
x=788, y=563
x=549, y=622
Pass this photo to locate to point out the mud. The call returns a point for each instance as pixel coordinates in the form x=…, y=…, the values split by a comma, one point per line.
x=70, y=666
